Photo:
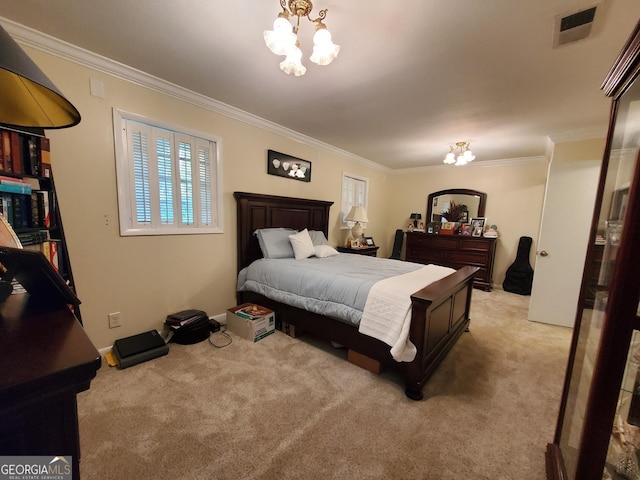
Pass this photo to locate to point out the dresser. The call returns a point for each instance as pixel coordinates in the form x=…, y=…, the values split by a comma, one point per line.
x=454, y=251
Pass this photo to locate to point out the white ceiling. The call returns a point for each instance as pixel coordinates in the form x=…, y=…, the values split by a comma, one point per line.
x=412, y=77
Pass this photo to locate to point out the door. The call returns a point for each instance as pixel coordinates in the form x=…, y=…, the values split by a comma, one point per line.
x=562, y=244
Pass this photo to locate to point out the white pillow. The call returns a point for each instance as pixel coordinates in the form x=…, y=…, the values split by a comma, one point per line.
x=302, y=245
x=322, y=251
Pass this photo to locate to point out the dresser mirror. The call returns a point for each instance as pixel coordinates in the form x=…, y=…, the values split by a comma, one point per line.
x=439, y=202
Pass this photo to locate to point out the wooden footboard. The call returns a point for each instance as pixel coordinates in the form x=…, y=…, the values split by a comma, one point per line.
x=439, y=315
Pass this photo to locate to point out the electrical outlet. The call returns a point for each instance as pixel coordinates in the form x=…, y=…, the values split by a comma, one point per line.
x=114, y=320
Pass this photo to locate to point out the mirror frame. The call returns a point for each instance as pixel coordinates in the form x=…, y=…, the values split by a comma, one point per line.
x=457, y=191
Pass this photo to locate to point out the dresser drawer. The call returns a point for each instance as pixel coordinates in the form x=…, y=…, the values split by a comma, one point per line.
x=454, y=251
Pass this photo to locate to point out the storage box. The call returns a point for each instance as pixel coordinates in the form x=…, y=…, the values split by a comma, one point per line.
x=251, y=322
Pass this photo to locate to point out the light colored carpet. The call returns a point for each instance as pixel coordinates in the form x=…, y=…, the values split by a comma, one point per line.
x=287, y=408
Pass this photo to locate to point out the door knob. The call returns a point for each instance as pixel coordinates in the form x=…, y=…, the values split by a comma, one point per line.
x=544, y=253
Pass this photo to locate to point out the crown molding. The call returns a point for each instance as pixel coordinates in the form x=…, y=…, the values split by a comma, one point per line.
x=72, y=53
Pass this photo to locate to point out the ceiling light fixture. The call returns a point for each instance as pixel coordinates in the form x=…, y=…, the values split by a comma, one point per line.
x=459, y=155
x=283, y=39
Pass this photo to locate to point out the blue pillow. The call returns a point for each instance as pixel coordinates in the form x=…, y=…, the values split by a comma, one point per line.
x=274, y=242
x=318, y=238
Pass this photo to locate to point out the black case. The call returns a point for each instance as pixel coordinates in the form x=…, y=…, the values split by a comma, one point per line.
x=189, y=326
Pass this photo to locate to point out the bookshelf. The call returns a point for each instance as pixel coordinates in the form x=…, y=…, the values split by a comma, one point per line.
x=28, y=197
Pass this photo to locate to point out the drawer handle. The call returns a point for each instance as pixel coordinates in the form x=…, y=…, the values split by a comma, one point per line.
x=544, y=253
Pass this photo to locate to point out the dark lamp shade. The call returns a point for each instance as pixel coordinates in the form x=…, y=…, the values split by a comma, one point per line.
x=27, y=97
x=415, y=216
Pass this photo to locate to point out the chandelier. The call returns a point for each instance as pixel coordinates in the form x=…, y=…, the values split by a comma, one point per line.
x=459, y=155
x=283, y=39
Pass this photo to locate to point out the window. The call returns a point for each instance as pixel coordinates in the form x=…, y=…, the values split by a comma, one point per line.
x=169, y=181
x=354, y=192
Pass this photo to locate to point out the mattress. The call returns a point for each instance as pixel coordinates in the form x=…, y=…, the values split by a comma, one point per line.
x=335, y=286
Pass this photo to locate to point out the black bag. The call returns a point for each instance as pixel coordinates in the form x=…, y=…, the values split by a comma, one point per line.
x=189, y=326
x=519, y=276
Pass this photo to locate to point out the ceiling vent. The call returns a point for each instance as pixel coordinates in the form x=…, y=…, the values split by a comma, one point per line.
x=573, y=27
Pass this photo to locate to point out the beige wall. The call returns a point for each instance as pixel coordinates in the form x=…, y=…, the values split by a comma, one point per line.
x=515, y=193
x=146, y=278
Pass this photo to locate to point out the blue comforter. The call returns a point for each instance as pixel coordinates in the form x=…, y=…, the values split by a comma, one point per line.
x=335, y=286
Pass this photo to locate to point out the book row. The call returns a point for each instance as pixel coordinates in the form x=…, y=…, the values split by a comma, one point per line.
x=23, y=154
x=28, y=211
x=52, y=249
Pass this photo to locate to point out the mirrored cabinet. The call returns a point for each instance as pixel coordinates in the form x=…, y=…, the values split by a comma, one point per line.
x=598, y=428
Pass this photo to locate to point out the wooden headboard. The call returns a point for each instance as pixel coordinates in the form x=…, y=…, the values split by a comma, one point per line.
x=264, y=211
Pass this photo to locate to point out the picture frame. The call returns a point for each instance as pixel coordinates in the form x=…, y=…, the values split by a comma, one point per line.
x=368, y=241
x=467, y=229
x=433, y=227
x=283, y=165
x=477, y=225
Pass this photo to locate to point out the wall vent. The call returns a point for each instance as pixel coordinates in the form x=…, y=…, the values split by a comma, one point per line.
x=571, y=28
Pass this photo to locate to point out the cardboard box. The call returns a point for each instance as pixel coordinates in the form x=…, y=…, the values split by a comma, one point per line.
x=251, y=322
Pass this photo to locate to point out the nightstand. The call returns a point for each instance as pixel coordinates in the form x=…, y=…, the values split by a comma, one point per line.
x=370, y=251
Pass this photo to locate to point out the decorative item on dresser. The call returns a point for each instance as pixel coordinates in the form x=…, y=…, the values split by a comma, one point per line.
x=454, y=251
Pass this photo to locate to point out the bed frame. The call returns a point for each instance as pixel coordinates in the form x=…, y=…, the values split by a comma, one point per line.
x=439, y=312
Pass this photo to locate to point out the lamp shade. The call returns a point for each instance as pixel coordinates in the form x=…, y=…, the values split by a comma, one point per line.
x=357, y=214
x=416, y=216
x=27, y=97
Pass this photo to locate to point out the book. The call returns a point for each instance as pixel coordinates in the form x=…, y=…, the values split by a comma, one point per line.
x=6, y=151
x=34, y=237
x=21, y=213
x=252, y=312
x=31, y=156
x=7, y=206
x=53, y=255
x=185, y=317
x=43, y=208
x=139, y=348
x=16, y=152
x=23, y=188
x=45, y=157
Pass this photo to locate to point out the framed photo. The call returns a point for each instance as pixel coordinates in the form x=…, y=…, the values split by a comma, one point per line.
x=353, y=243
x=467, y=229
x=464, y=217
x=283, y=165
x=433, y=227
x=368, y=241
x=477, y=225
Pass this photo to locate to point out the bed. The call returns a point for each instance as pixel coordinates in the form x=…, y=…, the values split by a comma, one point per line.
x=439, y=311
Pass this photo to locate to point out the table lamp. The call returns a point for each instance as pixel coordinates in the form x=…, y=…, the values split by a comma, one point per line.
x=357, y=214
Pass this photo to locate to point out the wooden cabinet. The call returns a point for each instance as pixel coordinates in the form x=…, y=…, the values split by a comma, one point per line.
x=46, y=360
x=599, y=416
x=454, y=251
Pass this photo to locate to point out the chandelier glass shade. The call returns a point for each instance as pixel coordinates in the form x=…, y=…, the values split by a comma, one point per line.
x=283, y=39
x=459, y=154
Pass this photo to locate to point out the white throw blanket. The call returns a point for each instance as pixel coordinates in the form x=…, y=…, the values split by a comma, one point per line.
x=387, y=312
